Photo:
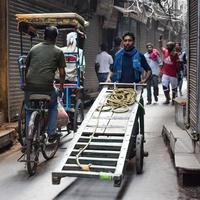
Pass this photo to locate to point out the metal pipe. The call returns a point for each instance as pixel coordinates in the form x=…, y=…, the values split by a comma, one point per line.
x=122, y=84
x=21, y=41
x=31, y=42
x=198, y=69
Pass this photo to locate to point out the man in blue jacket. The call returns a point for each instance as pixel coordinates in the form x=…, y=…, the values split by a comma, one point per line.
x=130, y=64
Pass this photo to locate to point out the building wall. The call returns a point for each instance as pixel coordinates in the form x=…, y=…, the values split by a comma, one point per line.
x=91, y=49
x=15, y=94
x=10, y=94
x=3, y=61
x=142, y=32
x=10, y=90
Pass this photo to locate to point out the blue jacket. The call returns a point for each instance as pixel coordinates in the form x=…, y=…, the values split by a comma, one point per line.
x=136, y=60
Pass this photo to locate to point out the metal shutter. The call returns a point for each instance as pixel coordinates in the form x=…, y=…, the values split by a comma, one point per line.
x=15, y=94
x=193, y=75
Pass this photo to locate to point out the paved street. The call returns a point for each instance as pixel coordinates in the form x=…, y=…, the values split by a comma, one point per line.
x=158, y=182
x=16, y=184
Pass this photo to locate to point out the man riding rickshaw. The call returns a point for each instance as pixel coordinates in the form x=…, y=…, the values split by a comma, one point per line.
x=37, y=121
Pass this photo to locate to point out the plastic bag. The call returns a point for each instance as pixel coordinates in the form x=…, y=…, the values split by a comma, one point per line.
x=63, y=118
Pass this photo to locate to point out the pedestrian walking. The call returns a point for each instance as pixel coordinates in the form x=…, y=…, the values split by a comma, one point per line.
x=182, y=66
x=153, y=59
x=129, y=63
x=103, y=63
x=116, y=47
x=169, y=70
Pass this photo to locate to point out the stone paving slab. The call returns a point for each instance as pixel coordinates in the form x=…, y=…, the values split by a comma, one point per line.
x=187, y=161
x=182, y=147
x=7, y=137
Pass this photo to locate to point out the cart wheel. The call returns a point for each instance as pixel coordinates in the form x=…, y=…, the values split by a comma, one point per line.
x=78, y=114
x=21, y=125
x=139, y=153
x=135, y=132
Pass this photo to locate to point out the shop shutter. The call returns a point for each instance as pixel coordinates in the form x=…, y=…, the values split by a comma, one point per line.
x=15, y=94
x=193, y=74
x=91, y=49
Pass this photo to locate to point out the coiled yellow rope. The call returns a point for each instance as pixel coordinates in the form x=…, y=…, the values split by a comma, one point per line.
x=120, y=99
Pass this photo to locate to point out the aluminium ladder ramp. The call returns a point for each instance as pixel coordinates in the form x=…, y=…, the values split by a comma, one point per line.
x=109, y=147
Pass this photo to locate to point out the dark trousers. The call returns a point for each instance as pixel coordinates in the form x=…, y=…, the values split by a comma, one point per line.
x=180, y=80
x=102, y=77
x=152, y=82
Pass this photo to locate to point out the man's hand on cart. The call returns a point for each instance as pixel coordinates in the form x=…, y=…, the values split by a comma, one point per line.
x=109, y=77
x=143, y=81
x=108, y=80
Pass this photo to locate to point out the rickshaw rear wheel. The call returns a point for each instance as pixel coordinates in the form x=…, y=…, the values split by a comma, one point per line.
x=32, y=146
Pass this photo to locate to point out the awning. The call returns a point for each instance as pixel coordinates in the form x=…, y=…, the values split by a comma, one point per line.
x=124, y=11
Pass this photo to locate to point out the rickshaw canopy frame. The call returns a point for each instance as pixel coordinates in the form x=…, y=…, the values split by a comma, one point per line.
x=30, y=23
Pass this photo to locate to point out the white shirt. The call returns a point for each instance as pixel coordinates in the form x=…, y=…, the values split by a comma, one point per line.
x=71, y=68
x=154, y=65
x=104, y=60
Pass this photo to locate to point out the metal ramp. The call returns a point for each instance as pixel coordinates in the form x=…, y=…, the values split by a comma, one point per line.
x=109, y=148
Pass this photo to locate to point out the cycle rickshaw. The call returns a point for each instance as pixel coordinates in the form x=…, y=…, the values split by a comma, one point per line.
x=33, y=25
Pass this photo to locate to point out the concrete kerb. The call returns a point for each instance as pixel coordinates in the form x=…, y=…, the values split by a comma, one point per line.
x=182, y=148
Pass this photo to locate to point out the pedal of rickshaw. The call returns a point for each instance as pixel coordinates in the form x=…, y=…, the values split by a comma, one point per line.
x=20, y=158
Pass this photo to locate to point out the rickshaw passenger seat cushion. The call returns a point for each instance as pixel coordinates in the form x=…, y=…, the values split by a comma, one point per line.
x=40, y=97
x=39, y=101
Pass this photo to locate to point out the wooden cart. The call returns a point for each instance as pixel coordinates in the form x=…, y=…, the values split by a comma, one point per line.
x=118, y=137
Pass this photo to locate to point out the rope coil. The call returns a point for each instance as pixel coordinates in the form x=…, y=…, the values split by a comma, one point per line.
x=121, y=99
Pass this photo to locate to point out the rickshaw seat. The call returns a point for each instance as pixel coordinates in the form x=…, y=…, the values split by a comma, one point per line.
x=39, y=97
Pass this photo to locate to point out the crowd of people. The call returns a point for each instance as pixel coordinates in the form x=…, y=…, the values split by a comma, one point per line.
x=125, y=64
